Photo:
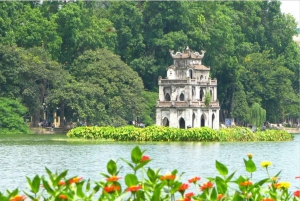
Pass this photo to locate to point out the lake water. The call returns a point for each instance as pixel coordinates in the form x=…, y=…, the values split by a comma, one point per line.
x=28, y=155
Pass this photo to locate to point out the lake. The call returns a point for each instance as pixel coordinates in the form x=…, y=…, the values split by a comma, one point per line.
x=27, y=155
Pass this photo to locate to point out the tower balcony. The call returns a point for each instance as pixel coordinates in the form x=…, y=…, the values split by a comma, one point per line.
x=185, y=104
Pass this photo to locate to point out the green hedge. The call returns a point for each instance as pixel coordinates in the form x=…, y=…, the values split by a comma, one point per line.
x=157, y=133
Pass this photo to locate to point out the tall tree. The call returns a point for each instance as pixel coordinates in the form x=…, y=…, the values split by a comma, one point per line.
x=81, y=31
x=127, y=19
x=120, y=87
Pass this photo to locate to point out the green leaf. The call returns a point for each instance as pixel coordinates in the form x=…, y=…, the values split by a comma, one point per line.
x=131, y=180
x=36, y=182
x=175, y=187
x=230, y=177
x=88, y=185
x=222, y=169
x=214, y=194
x=112, y=167
x=221, y=185
x=157, y=192
x=122, y=196
x=151, y=175
x=59, y=177
x=250, y=165
x=48, y=188
x=136, y=155
x=79, y=191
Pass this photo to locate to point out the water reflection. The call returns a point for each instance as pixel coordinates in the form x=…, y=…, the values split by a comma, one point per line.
x=29, y=155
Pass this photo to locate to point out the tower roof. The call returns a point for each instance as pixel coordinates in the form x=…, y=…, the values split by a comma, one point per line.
x=187, y=54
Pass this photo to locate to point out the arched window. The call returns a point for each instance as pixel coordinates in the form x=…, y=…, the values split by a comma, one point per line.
x=167, y=97
x=202, y=120
x=181, y=123
x=201, y=94
x=193, y=121
x=181, y=97
x=191, y=73
x=211, y=94
x=212, y=120
x=201, y=77
x=166, y=122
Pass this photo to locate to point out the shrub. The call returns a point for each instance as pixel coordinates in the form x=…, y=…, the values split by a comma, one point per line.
x=159, y=133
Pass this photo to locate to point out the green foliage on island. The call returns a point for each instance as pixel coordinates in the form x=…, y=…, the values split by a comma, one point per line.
x=158, y=133
x=12, y=117
x=69, y=55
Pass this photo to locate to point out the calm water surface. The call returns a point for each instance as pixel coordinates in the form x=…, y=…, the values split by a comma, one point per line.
x=22, y=156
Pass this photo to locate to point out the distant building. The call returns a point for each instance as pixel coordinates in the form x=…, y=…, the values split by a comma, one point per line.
x=181, y=101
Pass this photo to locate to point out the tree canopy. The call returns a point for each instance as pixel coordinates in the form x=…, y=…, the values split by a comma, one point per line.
x=100, y=61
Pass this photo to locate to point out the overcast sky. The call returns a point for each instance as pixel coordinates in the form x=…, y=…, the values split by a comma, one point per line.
x=292, y=7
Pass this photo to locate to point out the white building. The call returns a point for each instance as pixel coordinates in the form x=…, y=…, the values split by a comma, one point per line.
x=181, y=94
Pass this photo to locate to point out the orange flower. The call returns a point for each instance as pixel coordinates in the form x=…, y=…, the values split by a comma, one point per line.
x=145, y=158
x=189, y=195
x=297, y=193
x=206, y=185
x=111, y=188
x=220, y=196
x=63, y=197
x=183, y=187
x=75, y=180
x=113, y=178
x=168, y=177
x=250, y=156
x=18, y=198
x=134, y=188
x=267, y=199
x=194, y=180
x=246, y=183
x=184, y=199
x=62, y=183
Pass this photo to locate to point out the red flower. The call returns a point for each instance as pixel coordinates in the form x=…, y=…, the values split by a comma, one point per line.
x=113, y=178
x=189, y=195
x=134, y=188
x=168, y=177
x=63, y=197
x=75, y=180
x=246, y=183
x=183, y=187
x=145, y=158
x=111, y=188
x=206, y=185
x=18, y=198
x=297, y=193
x=194, y=180
x=297, y=177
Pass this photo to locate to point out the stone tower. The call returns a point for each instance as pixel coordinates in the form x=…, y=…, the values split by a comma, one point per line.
x=181, y=102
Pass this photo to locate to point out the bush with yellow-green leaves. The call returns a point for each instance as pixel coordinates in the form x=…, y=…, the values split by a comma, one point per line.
x=159, y=133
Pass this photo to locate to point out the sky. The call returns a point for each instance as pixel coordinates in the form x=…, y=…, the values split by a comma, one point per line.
x=292, y=7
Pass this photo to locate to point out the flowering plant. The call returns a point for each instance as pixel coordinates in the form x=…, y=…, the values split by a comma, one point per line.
x=154, y=186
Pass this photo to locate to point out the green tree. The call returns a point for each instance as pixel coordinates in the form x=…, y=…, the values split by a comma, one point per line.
x=80, y=30
x=121, y=87
x=11, y=117
x=34, y=30
x=148, y=110
x=240, y=110
x=257, y=115
x=127, y=19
